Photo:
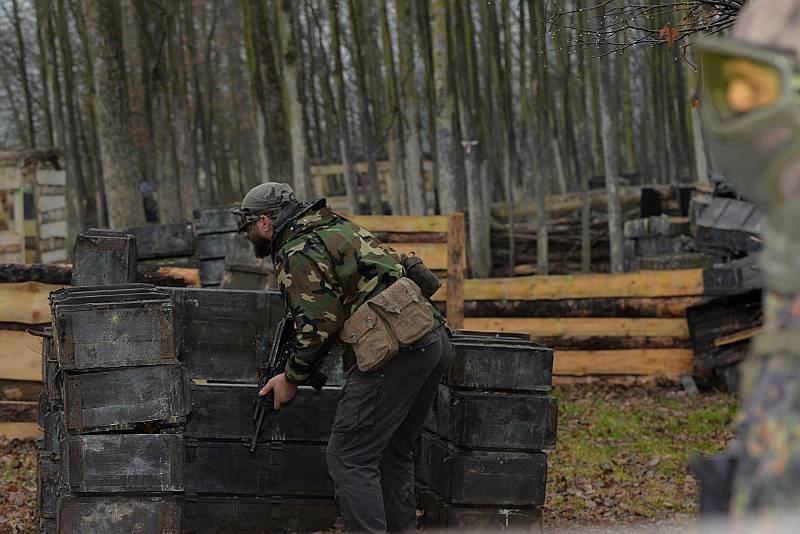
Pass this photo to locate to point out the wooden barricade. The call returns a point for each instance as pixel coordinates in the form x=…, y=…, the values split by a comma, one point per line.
x=438, y=240
x=598, y=324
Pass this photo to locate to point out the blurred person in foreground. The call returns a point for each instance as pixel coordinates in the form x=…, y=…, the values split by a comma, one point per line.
x=751, y=116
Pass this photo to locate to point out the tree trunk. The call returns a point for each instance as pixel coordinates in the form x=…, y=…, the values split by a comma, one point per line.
x=290, y=57
x=415, y=182
x=120, y=166
x=350, y=178
x=450, y=194
x=610, y=168
x=480, y=253
x=393, y=122
x=45, y=72
x=23, y=73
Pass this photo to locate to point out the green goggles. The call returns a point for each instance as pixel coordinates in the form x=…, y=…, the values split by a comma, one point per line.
x=244, y=217
x=742, y=79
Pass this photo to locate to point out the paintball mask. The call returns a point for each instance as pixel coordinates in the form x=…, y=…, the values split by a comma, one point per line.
x=751, y=115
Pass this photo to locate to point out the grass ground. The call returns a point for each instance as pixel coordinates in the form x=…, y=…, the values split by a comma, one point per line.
x=620, y=459
x=622, y=452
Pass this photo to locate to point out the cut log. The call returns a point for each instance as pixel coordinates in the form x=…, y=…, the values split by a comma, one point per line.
x=9, y=431
x=581, y=327
x=60, y=275
x=685, y=283
x=18, y=411
x=614, y=342
x=20, y=390
x=49, y=273
x=168, y=276
x=664, y=362
x=25, y=302
x=663, y=307
x=20, y=356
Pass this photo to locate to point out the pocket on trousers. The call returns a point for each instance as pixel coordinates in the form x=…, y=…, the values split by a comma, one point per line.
x=357, y=407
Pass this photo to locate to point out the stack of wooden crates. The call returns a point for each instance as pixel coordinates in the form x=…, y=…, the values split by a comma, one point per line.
x=479, y=461
x=115, y=399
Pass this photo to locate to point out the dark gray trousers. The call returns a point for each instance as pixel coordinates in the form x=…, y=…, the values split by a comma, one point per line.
x=379, y=418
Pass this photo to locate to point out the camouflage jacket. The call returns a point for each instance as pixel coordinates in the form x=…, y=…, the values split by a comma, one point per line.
x=327, y=266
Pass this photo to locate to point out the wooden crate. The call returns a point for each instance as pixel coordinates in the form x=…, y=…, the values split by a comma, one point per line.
x=463, y=476
x=112, y=514
x=103, y=257
x=224, y=411
x=164, y=240
x=242, y=514
x=494, y=420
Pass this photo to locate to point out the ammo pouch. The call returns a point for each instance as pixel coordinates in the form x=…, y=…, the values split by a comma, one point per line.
x=420, y=274
x=395, y=318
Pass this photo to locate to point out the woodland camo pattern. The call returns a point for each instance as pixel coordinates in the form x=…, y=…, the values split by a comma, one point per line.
x=327, y=266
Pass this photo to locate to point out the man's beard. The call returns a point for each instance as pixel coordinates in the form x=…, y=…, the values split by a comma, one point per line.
x=261, y=247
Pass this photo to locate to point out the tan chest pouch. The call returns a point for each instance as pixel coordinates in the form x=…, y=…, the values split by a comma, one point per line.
x=393, y=319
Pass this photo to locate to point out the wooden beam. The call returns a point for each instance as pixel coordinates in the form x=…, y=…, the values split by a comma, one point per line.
x=19, y=411
x=663, y=307
x=682, y=283
x=402, y=223
x=26, y=302
x=653, y=362
x=9, y=431
x=20, y=356
x=19, y=390
x=613, y=342
x=433, y=254
x=456, y=267
x=738, y=336
x=581, y=326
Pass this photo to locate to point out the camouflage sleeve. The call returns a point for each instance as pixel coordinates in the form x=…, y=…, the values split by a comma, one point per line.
x=312, y=295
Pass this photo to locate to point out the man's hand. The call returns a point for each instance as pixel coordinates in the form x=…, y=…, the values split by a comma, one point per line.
x=283, y=390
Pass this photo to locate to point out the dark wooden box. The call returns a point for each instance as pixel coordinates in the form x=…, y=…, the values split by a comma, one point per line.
x=164, y=240
x=464, y=476
x=114, y=514
x=211, y=272
x=224, y=411
x=438, y=513
x=217, y=219
x=212, y=515
x=225, y=334
x=123, y=463
x=104, y=335
x=212, y=246
x=501, y=363
x=494, y=420
x=730, y=224
x=277, y=468
x=102, y=258
x=48, y=482
x=120, y=398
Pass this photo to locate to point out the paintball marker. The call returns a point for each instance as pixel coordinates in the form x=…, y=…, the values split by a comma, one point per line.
x=276, y=364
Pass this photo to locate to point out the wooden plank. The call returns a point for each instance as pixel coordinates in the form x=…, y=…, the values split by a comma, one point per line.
x=53, y=229
x=51, y=177
x=682, y=283
x=739, y=336
x=25, y=302
x=433, y=254
x=612, y=342
x=456, y=267
x=18, y=411
x=20, y=356
x=666, y=362
x=581, y=326
x=51, y=202
x=19, y=390
x=612, y=307
x=402, y=223
x=9, y=431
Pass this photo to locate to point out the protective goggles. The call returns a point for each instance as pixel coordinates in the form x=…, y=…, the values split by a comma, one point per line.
x=244, y=217
x=744, y=81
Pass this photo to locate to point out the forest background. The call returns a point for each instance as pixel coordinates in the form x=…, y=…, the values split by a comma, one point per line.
x=506, y=101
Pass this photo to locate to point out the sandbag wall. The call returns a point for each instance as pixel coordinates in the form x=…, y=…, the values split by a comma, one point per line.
x=480, y=460
x=114, y=402
x=225, y=336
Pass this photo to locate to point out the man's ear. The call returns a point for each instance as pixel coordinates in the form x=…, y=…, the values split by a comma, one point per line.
x=266, y=223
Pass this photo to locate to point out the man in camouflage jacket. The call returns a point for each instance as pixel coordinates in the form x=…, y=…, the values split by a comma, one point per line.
x=327, y=266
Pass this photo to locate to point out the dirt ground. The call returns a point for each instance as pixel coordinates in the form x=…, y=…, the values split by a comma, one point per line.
x=620, y=459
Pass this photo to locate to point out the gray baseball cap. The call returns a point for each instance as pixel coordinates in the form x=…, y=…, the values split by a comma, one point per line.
x=263, y=199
